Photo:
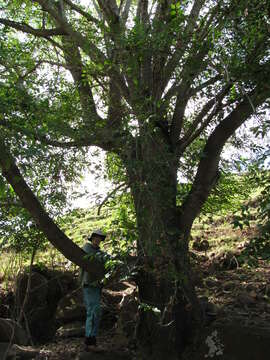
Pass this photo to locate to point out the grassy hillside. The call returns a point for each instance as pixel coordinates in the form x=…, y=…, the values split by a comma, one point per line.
x=223, y=243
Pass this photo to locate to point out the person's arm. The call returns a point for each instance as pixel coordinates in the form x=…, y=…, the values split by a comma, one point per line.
x=87, y=248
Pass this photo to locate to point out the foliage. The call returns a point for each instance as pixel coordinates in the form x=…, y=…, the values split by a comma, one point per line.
x=259, y=246
x=122, y=226
x=49, y=171
x=226, y=197
x=231, y=190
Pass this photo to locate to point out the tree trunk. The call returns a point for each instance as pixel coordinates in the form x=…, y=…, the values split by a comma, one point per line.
x=164, y=327
x=166, y=293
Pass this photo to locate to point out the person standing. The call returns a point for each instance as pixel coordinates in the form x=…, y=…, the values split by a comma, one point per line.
x=92, y=290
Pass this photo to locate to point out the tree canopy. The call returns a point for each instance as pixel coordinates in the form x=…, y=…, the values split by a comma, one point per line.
x=162, y=85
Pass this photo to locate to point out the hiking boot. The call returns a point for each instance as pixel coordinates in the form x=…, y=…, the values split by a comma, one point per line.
x=91, y=345
x=90, y=341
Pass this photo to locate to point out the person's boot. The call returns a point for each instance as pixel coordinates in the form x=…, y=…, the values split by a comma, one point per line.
x=91, y=344
x=89, y=341
x=93, y=341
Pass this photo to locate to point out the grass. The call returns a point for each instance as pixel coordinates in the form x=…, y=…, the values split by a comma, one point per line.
x=222, y=237
x=11, y=264
x=78, y=225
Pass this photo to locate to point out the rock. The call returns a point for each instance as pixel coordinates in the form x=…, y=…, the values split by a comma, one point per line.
x=6, y=303
x=112, y=297
x=37, y=310
x=232, y=341
x=225, y=261
x=250, y=287
x=208, y=307
x=12, y=331
x=37, y=293
x=105, y=355
x=201, y=245
x=229, y=285
x=71, y=308
x=245, y=298
x=4, y=348
x=17, y=352
x=75, y=329
x=197, y=278
x=113, y=303
x=41, y=302
x=41, y=323
x=120, y=286
x=210, y=282
x=125, y=327
x=23, y=352
x=267, y=290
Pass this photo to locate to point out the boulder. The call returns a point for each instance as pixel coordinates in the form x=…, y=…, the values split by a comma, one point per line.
x=4, y=349
x=232, y=341
x=41, y=303
x=210, y=283
x=111, y=298
x=18, y=352
x=6, y=303
x=70, y=308
x=10, y=331
x=229, y=285
x=37, y=293
x=245, y=298
x=41, y=323
x=225, y=261
x=23, y=352
x=126, y=322
x=201, y=245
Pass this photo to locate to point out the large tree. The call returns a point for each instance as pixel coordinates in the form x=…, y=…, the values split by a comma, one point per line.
x=147, y=81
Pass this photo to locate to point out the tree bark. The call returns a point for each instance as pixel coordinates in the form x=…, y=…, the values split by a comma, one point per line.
x=165, y=288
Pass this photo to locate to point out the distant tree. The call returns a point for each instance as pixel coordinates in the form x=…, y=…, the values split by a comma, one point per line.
x=147, y=81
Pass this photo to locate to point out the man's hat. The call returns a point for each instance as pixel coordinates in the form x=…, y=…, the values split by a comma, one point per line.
x=99, y=233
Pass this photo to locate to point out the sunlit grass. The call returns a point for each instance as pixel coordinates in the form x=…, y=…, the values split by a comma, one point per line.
x=11, y=264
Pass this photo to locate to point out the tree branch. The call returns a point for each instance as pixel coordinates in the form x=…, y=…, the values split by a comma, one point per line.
x=193, y=16
x=110, y=195
x=110, y=11
x=191, y=135
x=124, y=14
x=147, y=76
x=44, y=139
x=90, y=49
x=207, y=173
x=74, y=62
x=176, y=88
x=53, y=233
x=80, y=11
x=186, y=76
x=45, y=33
x=178, y=118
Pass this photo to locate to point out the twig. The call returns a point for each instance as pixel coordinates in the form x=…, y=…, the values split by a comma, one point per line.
x=28, y=286
x=110, y=195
